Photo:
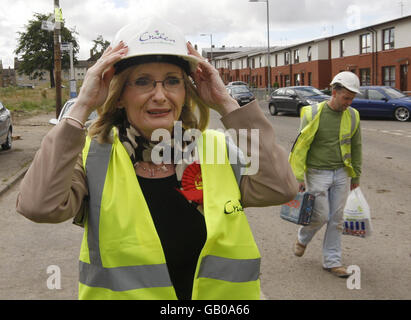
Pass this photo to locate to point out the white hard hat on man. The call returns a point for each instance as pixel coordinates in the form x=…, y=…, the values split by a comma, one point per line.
x=153, y=38
x=348, y=80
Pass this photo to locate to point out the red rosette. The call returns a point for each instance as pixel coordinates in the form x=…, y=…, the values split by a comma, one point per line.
x=192, y=183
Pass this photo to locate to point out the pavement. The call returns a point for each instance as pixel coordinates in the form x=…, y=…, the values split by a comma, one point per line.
x=28, y=133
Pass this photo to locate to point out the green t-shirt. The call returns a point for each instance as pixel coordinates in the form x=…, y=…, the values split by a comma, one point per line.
x=325, y=151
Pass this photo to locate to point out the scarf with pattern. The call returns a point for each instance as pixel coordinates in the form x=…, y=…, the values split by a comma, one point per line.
x=140, y=148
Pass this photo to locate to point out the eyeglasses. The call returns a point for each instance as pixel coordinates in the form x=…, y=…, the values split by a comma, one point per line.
x=144, y=84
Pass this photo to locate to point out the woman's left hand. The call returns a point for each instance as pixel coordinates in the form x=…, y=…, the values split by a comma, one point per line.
x=210, y=87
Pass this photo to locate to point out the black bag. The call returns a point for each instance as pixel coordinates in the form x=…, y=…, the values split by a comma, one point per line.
x=299, y=210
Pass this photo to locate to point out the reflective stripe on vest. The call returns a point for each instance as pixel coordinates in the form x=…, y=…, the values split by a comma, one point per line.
x=125, y=278
x=233, y=270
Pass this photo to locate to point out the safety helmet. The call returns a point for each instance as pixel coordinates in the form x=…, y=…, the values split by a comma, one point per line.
x=154, y=40
x=348, y=80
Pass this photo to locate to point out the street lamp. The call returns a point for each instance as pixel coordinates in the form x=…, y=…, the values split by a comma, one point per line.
x=211, y=41
x=268, y=41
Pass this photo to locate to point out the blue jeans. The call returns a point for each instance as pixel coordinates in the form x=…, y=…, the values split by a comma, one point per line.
x=332, y=188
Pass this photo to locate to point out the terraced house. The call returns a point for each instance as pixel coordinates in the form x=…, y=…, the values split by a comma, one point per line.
x=379, y=54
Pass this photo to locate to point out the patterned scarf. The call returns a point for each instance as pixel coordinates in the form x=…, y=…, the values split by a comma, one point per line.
x=140, y=148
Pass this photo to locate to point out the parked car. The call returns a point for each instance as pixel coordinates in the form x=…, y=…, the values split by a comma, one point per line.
x=382, y=102
x=242, y=94
x=292, y=99
x=237, y=83
x=6, y=128
x=66, y=108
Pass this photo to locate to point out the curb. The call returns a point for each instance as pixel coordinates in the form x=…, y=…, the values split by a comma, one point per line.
x=13, y=180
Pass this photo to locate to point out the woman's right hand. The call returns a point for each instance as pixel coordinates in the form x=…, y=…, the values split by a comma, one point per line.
x=94, y=91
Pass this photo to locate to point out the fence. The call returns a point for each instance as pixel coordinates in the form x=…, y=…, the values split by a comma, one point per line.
x=262, y=94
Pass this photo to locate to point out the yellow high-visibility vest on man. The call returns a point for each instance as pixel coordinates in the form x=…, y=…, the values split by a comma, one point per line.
x=121, y=254
x=310, y=118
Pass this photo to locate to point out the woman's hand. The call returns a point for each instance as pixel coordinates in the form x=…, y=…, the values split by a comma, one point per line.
x=210, y=87
x=94, y=91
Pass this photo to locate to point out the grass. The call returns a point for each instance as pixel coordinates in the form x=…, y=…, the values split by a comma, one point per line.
x=24, y=101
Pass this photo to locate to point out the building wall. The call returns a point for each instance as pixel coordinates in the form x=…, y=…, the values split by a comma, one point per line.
x=326, y=61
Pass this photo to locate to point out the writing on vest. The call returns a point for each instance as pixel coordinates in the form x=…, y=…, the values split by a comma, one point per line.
x=233, y=207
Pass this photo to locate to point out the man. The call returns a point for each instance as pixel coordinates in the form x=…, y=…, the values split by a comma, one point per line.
x=328, y=152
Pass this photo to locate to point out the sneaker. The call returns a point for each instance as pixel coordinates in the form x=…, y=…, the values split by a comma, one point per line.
x=299, y=249
x=340, y=272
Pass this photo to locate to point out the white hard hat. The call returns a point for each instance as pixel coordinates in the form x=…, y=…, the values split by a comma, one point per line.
x=154, y=40
x=348, y=80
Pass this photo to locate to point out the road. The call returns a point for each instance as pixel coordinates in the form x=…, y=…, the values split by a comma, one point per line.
x=27, y=249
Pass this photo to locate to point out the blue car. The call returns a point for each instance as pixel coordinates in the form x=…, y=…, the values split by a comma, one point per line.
x=382, y=102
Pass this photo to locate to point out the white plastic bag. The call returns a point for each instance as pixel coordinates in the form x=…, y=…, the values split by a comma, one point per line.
x=357, y=217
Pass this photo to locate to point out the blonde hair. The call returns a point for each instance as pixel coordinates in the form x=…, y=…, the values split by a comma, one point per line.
x=110, y=115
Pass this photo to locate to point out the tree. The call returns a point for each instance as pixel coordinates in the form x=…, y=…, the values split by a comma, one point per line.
x=36, y=48
x=99, y=46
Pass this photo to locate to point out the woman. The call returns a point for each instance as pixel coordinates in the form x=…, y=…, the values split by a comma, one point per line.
x=177, y=230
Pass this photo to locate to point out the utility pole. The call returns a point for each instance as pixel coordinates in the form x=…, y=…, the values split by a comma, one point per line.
x=57, y=55
x=401, y=4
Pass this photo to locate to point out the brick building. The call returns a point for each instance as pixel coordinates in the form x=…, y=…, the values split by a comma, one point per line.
x=378, y=54
x=7, y=76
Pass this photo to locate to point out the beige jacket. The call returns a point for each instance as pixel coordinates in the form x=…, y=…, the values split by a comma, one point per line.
x=55, y=185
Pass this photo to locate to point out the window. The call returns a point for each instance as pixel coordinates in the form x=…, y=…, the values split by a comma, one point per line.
x=302, y=79
x=365, y=77
x=375, y=95
x=297, y=79
x=280, y=92
x=296, y=56
x=309, y=54
x=290, y=92
x=286, y=58
x=388, y=76
x=342, y=48
x=361, y=95
x=310, y=78
x=287, y=80
x=388, y=39
x=365, y=43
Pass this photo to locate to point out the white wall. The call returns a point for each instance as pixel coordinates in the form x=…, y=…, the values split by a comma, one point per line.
x=402, y=34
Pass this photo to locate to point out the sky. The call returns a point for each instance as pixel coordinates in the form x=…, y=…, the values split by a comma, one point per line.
x=232, y=23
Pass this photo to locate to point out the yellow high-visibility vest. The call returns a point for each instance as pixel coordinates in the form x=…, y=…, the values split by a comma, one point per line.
x=310, y=120
x=121, y=255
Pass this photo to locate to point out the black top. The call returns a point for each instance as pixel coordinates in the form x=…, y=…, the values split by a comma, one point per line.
x=180, y=227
